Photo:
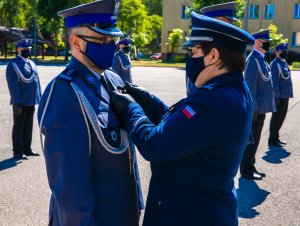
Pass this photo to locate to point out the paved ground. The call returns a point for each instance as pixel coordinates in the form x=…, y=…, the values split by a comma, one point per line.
x=24, y=191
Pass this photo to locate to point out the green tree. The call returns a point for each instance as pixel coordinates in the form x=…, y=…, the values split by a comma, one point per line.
x=174, y=38
x=276, y=38
x=153, y=31
x=132, y=16
x=52, y=26
x=154, y=7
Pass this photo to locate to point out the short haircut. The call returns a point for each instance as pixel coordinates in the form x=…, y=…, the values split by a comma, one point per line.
x=75, y=31
x=232, y=60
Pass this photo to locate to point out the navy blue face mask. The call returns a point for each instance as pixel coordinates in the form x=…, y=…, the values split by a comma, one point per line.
x=194, y=66
x=283, y=54
x=126, y=49
x=25, y=53
x=100, y=54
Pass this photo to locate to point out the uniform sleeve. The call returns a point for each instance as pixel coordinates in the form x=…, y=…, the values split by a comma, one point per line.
x=174, y=138
x=155, y=110
x=251, y=74
x=275, y=79
x=66, y=155
x=13, y=84
x=39, y=89
x=116, y=66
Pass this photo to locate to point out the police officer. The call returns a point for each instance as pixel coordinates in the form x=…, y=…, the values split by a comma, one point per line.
x=121, y=62
x=259, y=79
x=91, y=164
x=223, y=12
x=25, y=92
x=283, y=90
x=195, y=146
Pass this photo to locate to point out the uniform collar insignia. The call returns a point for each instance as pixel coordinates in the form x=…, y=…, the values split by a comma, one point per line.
x=90, y=78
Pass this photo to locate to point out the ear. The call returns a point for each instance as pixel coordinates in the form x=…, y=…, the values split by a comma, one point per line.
x=75, y=42
x=214, y=55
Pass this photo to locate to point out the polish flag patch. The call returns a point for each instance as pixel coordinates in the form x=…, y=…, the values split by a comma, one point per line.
x=188, y=111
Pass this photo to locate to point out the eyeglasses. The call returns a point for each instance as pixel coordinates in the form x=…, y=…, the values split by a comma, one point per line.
x=103, y=41
x=191, y=48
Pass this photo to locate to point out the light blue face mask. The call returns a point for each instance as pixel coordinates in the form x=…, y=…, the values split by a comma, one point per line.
x=100, y=54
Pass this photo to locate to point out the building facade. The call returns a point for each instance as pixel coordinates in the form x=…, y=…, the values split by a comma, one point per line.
x=285, y=14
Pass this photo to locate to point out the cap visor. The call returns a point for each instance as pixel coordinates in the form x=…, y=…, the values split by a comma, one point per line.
x=113, y=31
x=231, y=18
x=190, y=43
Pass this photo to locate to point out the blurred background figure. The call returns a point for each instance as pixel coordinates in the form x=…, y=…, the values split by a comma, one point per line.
x=283, y=90
x=25, y=92
x=258, y=77
x=121, y=62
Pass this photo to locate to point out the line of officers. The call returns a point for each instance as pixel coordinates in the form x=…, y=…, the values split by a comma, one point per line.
x=92, y=118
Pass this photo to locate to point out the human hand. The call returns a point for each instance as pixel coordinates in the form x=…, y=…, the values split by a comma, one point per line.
x=142, y=96
x=120, y=101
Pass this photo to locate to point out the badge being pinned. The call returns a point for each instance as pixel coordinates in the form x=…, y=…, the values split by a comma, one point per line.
x=188, y=111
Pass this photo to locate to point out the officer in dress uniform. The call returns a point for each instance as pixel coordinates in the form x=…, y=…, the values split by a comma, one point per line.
x=122, y=63
x=223, y=12
x=259, y=79
x=283, y=90
x=195, y=146
x=25, y=92
x=91, y=165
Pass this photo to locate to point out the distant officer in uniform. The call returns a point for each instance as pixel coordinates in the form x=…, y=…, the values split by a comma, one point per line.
x=91, y=164
x=121, y=62
x=259, y=79
x=25, y=92
x=223, y=12
x=283, y=90
x=195, y=146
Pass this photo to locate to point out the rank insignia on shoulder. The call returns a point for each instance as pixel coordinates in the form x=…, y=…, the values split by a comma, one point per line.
x=90, y=78
x=67, y=74
x=188, y=111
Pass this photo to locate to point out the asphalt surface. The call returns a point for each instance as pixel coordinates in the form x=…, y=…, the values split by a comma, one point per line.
x=24, y=191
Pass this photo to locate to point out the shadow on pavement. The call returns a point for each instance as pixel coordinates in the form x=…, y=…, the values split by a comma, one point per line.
x=8, y=163
x=249, y=196
x=275, y=154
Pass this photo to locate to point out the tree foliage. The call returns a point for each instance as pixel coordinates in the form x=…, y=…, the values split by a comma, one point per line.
x=276, y=38
x=154, y=7
x=174, y=38
x=140, y=17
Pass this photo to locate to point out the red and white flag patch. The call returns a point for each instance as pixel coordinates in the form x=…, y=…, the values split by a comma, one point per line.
x=188, y=111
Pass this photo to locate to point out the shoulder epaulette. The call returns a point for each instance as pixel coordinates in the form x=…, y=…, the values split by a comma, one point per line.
x=67, y=75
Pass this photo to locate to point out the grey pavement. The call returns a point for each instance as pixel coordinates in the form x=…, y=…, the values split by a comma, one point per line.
x=24, y=191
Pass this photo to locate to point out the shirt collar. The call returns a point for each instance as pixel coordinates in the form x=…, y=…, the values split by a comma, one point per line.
x=260, y=53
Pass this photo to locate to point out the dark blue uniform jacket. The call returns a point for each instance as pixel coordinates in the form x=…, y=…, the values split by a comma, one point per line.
x=195, y=148
x=122, y=66
x=259, y=79
x=23, y=82
x=281, y=77
x=89, y=184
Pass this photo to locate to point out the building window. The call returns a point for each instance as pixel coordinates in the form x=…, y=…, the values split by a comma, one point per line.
x=297, y=10
x=269, y=11
x=185, y=10
x=254, y=11
x=296, y=39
